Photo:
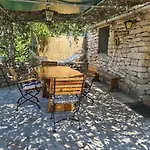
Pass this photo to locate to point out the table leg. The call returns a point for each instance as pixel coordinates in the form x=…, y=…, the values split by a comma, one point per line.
x=45, y=92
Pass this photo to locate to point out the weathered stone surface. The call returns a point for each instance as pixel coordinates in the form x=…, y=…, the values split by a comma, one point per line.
x=102, y=123
x=142, y=75
x=131, y=58
x=136, y=55
x=143, y=86
x=144, y=49
x=136, y=68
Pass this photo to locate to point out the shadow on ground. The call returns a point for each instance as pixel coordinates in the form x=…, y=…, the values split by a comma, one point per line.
x=107, y=124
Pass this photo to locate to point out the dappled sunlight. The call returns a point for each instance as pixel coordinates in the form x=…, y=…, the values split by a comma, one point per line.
x=106, y=124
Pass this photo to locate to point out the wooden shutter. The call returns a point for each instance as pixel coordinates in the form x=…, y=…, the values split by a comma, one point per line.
x=103, y=39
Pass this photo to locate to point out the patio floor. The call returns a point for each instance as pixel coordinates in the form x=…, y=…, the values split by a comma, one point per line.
x=108, y=124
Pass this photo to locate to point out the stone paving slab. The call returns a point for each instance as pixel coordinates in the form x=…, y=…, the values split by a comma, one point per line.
x=107, y=124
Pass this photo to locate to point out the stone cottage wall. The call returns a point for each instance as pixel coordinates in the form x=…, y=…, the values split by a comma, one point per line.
x=130, y=59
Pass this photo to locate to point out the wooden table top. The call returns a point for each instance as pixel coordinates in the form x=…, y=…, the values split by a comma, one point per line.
x=57, y=71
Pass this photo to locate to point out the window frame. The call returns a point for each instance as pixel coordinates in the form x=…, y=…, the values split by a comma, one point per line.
x=103, y=42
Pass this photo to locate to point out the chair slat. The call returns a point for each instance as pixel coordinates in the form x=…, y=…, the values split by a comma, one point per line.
x=69, y=89
x=49, y=63
x=70, y=79
x=72, y=85
x=69, y=83
x=68, y=86
x=68, y=92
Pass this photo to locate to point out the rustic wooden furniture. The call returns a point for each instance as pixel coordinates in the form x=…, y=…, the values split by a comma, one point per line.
x=112, y=79
x=28, y=88
x=50, y=72
x=91, y=76
x=49, y=63
x=67, y=90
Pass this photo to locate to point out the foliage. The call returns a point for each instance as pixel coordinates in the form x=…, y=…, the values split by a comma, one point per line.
x=4, y=40
x=22, y=35
x=21, y=42
x=41, y=30
x=67, y=28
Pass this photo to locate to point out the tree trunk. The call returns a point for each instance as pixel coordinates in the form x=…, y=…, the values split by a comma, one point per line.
x=11, y=51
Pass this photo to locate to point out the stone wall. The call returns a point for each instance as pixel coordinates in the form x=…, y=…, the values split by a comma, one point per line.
x=130, y=58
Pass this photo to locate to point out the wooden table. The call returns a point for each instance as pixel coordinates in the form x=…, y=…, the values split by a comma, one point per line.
x=49, y=72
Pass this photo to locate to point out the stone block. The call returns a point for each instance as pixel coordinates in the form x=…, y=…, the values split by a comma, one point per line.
x=147, y=56
x=144, y=34
x=140, y=63
x=133, y=92
x=143, y=86
x=142, y=23
x=134, y=62
x=148, y=93
x=133, y=73
x=134, y=49
x=145, y=39
x=137, y=44
x=142, y=75
x=144, y=49
x=137, y=39
x=147, y=63
x=134, y=55
x=136, y=68
x=132, y=83
x=123, y=86
x=146, y=16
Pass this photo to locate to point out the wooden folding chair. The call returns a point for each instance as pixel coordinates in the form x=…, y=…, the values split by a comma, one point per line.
x=67, y=91
x=91, y=76
x=28, y=88
x=49, y=63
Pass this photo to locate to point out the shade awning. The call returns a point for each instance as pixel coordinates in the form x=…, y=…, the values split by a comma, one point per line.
x=60, y=6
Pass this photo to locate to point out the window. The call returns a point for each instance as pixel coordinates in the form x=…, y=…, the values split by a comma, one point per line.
x=103, y=40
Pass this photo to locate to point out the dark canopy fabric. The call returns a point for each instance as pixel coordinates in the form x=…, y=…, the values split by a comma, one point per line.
x=60, y=6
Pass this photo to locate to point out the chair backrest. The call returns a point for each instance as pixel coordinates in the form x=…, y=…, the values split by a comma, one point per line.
x=13, y=73
x=70, y=85
x=91, y=71
x=49, y=63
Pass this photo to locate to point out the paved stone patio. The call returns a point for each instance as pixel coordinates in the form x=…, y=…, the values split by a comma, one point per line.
x=107, y=125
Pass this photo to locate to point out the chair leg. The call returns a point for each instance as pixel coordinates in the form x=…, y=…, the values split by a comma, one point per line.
x=77, y=113
x=85, y=94
x=19, y=100
x=79, y=122
x=35, y=103
x=54, y=130
x=27, y=99
x=53, y=117
x=20, y=105
x=35, y=95
x=52, y=113
x=23, y=96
